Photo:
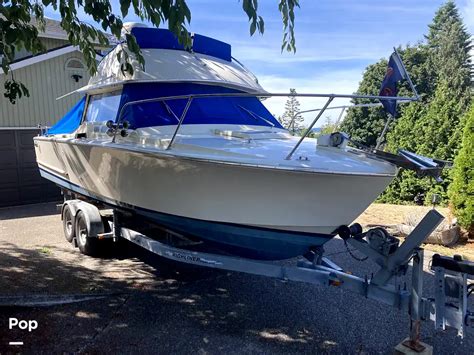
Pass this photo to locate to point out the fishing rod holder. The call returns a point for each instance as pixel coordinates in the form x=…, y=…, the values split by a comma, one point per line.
x=113, y=128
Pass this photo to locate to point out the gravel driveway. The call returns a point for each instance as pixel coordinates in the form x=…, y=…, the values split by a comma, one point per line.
x=157, y=306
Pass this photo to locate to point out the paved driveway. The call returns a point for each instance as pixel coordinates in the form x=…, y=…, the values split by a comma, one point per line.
x=156, y=306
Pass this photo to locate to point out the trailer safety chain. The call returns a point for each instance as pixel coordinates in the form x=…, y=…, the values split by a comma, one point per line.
x=353, y=255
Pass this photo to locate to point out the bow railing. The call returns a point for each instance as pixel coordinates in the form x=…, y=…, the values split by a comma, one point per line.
x=192, y=97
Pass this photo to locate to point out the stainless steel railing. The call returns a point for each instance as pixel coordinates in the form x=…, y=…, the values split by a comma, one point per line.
x=192, y=97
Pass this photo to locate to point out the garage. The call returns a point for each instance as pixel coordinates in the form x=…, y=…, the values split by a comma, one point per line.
x=59, y=70
x=20, y=181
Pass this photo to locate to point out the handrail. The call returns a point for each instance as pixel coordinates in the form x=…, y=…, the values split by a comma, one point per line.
x=288, y=157
x=181, y=119
x=375, y=104
x=262, y=94
x=191, y=97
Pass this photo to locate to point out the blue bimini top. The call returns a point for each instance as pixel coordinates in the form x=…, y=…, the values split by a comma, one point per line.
x=210, y=110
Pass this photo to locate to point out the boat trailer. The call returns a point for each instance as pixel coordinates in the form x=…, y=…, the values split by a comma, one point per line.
x=448, y=307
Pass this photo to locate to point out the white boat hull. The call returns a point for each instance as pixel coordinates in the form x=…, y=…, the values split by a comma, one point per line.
x=279, y=199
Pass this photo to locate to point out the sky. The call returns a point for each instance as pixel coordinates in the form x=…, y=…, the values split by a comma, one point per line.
x=335, y=40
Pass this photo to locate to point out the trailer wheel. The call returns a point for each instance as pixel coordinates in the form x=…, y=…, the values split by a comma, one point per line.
x=87, y=245
x=68, y=223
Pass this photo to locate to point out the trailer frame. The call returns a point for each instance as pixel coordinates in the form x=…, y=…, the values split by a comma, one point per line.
x=448, y=307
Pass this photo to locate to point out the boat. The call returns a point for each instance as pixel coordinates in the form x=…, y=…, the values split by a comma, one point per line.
x=185, y=142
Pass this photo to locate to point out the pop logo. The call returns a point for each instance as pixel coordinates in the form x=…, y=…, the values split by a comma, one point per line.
x=22, y=324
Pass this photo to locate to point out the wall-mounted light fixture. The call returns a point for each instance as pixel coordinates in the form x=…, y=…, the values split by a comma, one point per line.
x=76, y=77
x=76, y=68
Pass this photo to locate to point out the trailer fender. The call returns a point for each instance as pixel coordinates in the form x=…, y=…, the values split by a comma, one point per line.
x=93, y=218
x=72, y=206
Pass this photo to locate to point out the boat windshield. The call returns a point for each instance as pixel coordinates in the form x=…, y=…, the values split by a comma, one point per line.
x=210, y=110
x=103, y=107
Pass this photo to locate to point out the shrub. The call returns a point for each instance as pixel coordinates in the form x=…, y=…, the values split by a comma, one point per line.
x=461, y=190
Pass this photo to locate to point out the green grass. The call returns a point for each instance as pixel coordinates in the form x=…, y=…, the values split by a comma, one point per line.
x=45, y=250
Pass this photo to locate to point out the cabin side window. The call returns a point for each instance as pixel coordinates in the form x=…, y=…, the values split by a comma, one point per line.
x=103, y=107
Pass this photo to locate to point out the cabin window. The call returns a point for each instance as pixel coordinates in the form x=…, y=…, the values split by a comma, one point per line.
x=103, y=107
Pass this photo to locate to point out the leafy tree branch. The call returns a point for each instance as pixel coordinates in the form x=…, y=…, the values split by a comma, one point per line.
x=21, y=21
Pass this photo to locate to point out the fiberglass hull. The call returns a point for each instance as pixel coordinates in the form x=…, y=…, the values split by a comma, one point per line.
x=260, y=212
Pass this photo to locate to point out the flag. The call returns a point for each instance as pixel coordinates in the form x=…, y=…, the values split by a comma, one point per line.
x=395, y=72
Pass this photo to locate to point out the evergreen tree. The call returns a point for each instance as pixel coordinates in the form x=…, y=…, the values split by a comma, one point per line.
x=450, y=44
x=406, y=185
x=461, y=190
x=364, y=124
x=292, y=119
x=435, y=130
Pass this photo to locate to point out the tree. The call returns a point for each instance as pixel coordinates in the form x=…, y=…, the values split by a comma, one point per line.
x=450, y=44
x=328, y=127
x=435, y=129
x=364, y=124
x=291, y=118
x=461, y=190
x=18, y=30
x=407, y=185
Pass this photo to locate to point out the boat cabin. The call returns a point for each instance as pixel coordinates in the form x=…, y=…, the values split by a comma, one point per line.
x=156, y=95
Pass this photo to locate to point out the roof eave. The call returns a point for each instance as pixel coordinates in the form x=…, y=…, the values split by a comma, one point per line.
x=22, y=63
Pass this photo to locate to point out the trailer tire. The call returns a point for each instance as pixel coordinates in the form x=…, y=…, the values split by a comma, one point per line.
x=68, y=223
x=87, y=245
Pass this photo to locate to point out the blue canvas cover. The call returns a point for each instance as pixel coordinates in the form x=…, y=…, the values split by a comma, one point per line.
x=165, y=39
x=212, y=47
x=156, y=38
x=215, y=110
x=70, y=121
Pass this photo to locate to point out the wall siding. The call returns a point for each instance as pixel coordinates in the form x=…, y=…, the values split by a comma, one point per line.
x=45, y=81
x=49, y=44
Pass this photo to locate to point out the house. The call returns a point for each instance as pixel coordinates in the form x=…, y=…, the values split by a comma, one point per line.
x=61, y=69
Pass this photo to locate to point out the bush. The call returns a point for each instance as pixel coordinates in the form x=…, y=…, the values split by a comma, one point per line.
x=461, y=190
